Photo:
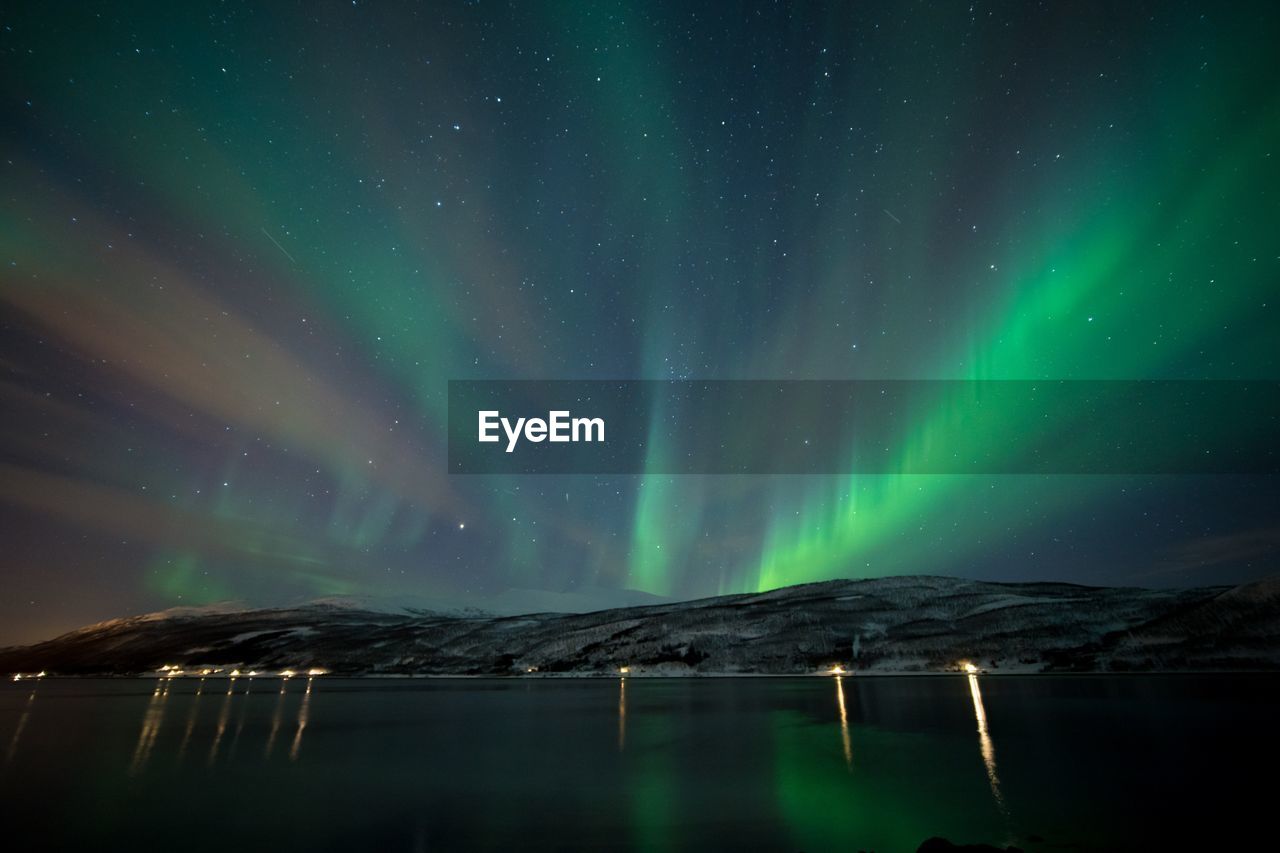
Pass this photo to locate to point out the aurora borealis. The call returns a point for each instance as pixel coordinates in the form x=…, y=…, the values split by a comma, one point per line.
x=246, y=248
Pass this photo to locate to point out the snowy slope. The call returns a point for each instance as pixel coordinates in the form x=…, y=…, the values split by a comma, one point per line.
x=903, y=624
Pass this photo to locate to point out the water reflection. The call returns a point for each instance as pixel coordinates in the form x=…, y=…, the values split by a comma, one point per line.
x=276, y=719
x=622, y=714
x=191, y=721
x=244, y=709
x=303, y=712
x=233, y=702
x=844, y=722
x=150, y=725
x=985, y=744
x=22, y=724
x=221, y=727
x=707, y=763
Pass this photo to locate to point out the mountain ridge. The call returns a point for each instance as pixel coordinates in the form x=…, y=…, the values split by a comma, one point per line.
x=923, y=623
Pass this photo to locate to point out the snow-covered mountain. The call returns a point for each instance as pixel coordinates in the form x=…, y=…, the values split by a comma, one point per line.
x=898, y=624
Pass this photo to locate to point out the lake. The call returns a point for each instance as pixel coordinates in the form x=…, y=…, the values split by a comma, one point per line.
x=814, y=764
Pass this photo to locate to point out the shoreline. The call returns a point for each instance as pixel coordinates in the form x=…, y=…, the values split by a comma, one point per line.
x=33, y=679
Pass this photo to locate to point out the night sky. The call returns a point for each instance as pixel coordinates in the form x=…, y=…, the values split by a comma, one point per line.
x=244, y=249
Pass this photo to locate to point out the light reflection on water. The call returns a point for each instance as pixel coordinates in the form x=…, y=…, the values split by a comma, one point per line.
x=191, y=722
x=622, y=714
x=221, y=727
x=22, y=724
x=844, y=722
x=276, y=719
x=151, y=720
x=153, y=717
x=637, y=764
x=304, y=711
x=244, y=709
x=987, y=747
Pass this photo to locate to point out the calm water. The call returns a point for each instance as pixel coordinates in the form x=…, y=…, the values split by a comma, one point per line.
x=756, y=764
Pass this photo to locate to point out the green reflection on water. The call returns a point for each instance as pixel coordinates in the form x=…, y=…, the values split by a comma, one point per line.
x=901, y=787
x=644, y=764
x=651, y=775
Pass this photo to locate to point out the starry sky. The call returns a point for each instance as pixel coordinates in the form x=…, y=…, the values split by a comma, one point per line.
x=245, y=247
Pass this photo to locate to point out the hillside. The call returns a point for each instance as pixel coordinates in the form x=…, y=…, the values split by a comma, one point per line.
x=900, y=624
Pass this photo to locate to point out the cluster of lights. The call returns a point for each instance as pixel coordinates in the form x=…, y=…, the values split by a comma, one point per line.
x=965, y=666
x=172, y=670
x=18, y=676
